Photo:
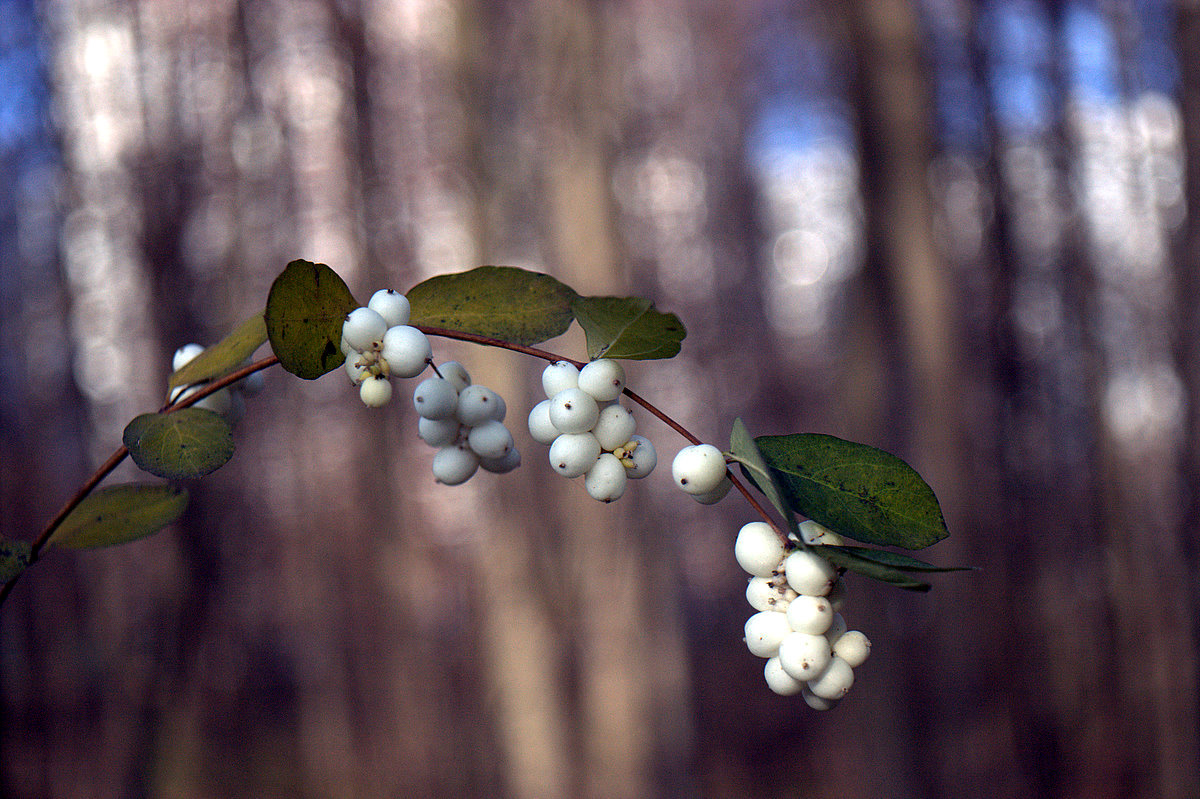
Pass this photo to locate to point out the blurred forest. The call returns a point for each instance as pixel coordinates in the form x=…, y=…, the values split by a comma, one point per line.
x=956, y=230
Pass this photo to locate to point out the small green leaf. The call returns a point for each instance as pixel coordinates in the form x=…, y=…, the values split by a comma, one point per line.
x=852, y=559
x=627, y=327
x=897, y=560
x=188, y=443
x=859, y=491
x=121, y=513
x=14, y=557
x=502, y=302
x=305, y=309
x=224, y=357
x=744, y=450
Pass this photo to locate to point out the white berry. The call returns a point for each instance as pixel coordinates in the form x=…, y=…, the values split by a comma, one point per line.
x=559, y=376
x=606, y=480
x=834, y=681
x=479, y=404
x=406, y=351
x=764, y=632
x=456, y=373
x=438, y=432
x=816, y=702
x=573, y=410
x=435, y=398
x=505, y=463
x=572, y=454
x=698, y=468
x=810, y=614
x=184, y=355
x=779, y=680
x=614, y=426
x=837, y=594
x=853, y=647
x=717, y=494
x=375, y=391
x=364, y=329
x=391, y=305
x=357, y=367
x=540, y=426
x=454, y=465
x=802, y=655
x=837, y=628
x=490, y=440
x=603, y=379
x=641, y=459
x=758, y=549
x=766, y=593
x=808, y=573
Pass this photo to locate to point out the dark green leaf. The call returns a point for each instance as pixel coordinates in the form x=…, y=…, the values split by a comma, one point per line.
x=14, y=557
x=305, y=309
x=501, y=302
x=187, y=443
x=850, y=558
x=742, y=448
x=121, y=513
x=859, y=491
x=224, y=357
x=897, y=560
x=627, y=327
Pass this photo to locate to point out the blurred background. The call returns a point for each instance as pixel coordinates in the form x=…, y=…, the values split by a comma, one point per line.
x=965, y=232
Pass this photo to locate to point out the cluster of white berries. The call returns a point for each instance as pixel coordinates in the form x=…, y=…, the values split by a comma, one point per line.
x=798, y=627
x=590, y=434
x=379, y=344
x=230, y=401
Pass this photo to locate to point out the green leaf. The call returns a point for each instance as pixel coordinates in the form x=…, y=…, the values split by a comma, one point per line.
x=119, y=514
x=744, y=450
x=502, y=302
x=852, y=559
x=897, y=560
x=224, y=357
x=188, y=443
x=306, y=306
x=859, y=491
x=14, y=558
x=627, y=327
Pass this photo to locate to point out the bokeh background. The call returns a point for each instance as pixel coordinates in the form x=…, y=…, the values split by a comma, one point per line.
x=965, y=232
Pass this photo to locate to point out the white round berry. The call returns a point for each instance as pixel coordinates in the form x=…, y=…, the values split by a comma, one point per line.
x=808, y=573
x=816, y=702
x=698, y=468
x=364, y=329
x=406, y=351
x=490, y=440
x=717, y=494
x=834, y=681
x=779, y=680
x=837, y=594
x=758, y=549
x=766, y=593
x=810, y=614
x=572, y=454
x=357, y=366
x=640, y=457
x=505, y=463
x=606, y=480
x=603, y=379
x=837, y=628
x=375, y=391
x=559, y=376
x=540, y=426
x=391, y=305
x=438, y=432
x=220, y=401
x=614, y=426
x=573, y=410
x=184, y=355
x=454, y=465
x=456, y=373
x=345, y=347
x=435, y=398
x=479, y=404
x=853, y=647
x=802, y=655
x=764, y=632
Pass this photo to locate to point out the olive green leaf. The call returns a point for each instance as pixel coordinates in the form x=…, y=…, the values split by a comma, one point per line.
x=744, y=450
x=187, y=443
x=854, y=559
x=854, y=489
x=502, y=302
x=224, y=357
x=121, y=513
x=627, y=327
x=14, y=557
x=306, y=306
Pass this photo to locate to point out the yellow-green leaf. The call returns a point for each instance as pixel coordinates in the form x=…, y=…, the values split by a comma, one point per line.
x=188, y=443
x=225, y=356
x=627, y=327
x=306, y=306
x=121, y=513
x=502, y=302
